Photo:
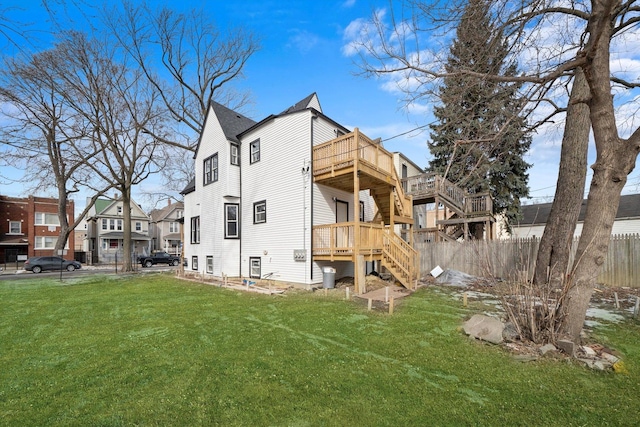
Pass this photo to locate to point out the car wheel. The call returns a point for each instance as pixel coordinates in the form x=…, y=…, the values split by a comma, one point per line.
x=148, y=263
x=175, y=262
x=71, y=267
x=36, y=269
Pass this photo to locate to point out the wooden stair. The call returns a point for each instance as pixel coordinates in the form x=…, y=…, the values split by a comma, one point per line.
x=400, y=259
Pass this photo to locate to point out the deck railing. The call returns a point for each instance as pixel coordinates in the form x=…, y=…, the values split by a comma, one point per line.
x=342, y=151
x=339, y=239
x=430, y=184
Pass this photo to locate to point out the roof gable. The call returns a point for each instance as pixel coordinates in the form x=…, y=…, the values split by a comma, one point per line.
x=231, y=122
x=163, y=213
x=310, y=101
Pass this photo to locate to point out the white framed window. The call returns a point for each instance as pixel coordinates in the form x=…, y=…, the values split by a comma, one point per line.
x=46, y=242
x=105, y=223
x=119, y=210
x=254, y=267
x=231, y=221
x=119, y=225
x=209, y=264
x=195, y=229
x=254, y=151
x=260, y=212
x=234, y=154
x=194, y=262
x=210, y=172
x=45, y=218
x=112, y=224
x=15, y=227
x=173, y=227
x=179, y=214
x=138, y=226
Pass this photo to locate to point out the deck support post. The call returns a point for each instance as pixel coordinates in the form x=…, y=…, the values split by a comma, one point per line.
x=358, y=263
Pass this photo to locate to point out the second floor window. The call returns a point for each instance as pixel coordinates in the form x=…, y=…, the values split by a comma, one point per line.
x=105, y=223
x=15, y=227
x=254, y=149
x=260, y=212
x=43, y=218
x=234, y=154
x=210, y=169
x=173, y=227
x=138, y=226
x=195, y=229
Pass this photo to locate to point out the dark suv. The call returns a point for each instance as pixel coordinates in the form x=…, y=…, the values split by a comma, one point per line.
x=42, y=263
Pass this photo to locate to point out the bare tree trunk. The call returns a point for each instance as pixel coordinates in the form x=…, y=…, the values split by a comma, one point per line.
x=616, y=159
x=552, y=261
x=602, y=205
x=65, y=230
x=126, y=229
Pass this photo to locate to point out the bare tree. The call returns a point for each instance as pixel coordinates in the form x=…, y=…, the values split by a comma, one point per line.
x=122, y=110
x=188, y=61
x=597, y=23
x=47, y=138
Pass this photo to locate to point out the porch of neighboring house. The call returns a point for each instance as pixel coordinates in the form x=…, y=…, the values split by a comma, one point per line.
x=172, y=244
x=454, y=213
x=112, y=245
x=353, y=162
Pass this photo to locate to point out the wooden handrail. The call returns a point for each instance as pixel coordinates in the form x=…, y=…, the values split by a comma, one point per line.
x=342, y=151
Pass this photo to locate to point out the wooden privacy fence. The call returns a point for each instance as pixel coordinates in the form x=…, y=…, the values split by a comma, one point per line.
x=514, y=257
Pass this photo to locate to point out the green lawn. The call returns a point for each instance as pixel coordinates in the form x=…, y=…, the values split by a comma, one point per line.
x=153, y=350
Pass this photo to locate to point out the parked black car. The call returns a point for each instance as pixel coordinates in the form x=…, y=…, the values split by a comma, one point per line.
x=42, y=263
x=159, y=258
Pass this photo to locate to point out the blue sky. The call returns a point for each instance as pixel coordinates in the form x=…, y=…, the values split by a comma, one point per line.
x=303, y=51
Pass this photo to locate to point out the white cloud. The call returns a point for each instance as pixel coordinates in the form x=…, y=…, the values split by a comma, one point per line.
x=360, y=34
x=348, y=3
x=303, y=40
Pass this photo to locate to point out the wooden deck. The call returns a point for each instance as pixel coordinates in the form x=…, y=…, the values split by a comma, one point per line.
x=351, y=163
x=461, y=209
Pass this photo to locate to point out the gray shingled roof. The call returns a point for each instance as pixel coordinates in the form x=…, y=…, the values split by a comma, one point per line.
x=539, y=214
x=232, y=122
x=300, y=105
x=190, y=188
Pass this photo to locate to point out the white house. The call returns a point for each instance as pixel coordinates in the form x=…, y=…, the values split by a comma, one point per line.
x=259, y=204
x=534, y=218
x=104, y=230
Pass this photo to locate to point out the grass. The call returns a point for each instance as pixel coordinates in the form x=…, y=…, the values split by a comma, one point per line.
x=152, y=350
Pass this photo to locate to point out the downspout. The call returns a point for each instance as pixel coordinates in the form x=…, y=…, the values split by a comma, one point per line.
x=313, y=117
x=239, y=211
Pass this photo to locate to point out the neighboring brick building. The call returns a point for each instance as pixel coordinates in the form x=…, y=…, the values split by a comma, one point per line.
x=30, y=227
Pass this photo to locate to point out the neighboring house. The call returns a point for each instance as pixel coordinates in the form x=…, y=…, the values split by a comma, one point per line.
x=292, y=194
x=30, y=227
x=534, y=218
x=104, y=228
x=166, y=228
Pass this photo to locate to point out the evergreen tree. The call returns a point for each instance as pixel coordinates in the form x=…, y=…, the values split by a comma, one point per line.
x=479, y=139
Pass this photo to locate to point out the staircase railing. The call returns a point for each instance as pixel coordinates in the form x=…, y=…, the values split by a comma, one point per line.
x=401, y=259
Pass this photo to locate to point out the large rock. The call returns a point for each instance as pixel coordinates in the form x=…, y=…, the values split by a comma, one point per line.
x=484, y=328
